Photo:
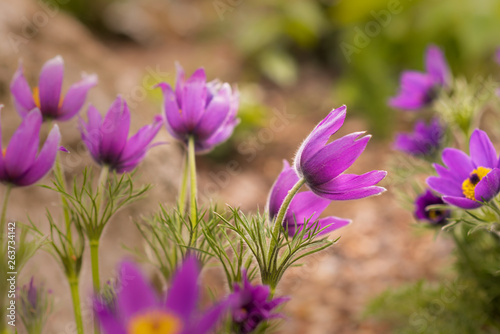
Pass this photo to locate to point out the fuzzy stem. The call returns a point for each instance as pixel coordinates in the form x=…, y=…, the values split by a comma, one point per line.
x=4, y=213
x=183, y=190
x=60, y=176
x=101, y=186
x=94, y=259
x=192, y=181
x=75, y=296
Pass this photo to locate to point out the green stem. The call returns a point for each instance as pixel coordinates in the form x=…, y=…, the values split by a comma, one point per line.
x=60, y=176
x=75, y=296
x=94, y=258
x=183, y=190
x=4, y=213
x=192, y=174
x=103, y=178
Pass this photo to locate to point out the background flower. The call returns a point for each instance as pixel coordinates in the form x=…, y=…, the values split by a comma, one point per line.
x=433, y=216
x=425, y=140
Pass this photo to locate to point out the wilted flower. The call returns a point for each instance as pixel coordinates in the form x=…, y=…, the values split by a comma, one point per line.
x=304, y=207
x=139, y=310
x=433, y=216
x=107, y=139
x=419, y=89
x=424, y=141
x=36, y=305
x=20, y=162
x=251, y=305
x=206, y=111
x=47, y=96
x=468, y=181
x=322, y=165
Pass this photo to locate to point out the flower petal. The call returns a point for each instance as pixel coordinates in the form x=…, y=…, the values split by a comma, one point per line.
x=445, y=186
x=330, y=224
x=22, y=93
x=172, y=113
x=75, y=97
x=488, y=187
x=210, y=318
x=107, y=320
x=224, y=132
x=216, y=114
x=193, y=99
x=461, y=202
x=458, y=163
x=50, y=84
x=305, y=206
x=285, y=181
x=349, y=194
x=91, y=132
x=184, y=291
x=436, y=66
x=115, y=128
x=481, y=149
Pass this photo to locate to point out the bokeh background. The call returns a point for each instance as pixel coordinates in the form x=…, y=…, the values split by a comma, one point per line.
x=293, y=61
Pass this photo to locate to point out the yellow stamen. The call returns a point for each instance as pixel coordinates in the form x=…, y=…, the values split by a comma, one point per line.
x=180, y=111
x=4, y=152
x=157, y=322
x=36, y=98
x=469, y=185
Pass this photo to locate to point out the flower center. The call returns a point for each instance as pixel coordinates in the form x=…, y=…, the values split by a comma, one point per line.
x=4, y=152
x=469, y=185
x=157, y=322
x=36, y=98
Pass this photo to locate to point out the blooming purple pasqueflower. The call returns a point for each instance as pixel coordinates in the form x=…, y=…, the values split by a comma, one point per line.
x=424, y=141
x=419, y=89
x=305, y=207
x=47, y=96
x=321, y=165
x=433, y=216
x=35, y=306
x=471, y=180
x=251, y=305
x=20, y=162
x=206, y=111
x=138, y=309
x=107, y=139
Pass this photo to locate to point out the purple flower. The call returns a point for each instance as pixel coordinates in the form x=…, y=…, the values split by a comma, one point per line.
x=424, y=141
x=433, y=216
x=305, y=207
x=138, y=309
x=419, y=89
x=20, y=162
x=206, y=111
x=35, y=306
x=47, y=96
x=107, y=139
x=469, y=180
x=251, y=305
x=322, y=165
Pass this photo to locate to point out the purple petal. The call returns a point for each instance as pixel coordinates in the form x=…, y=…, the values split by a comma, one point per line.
x=285, y=181
x=107, y=320
x=445, y=186
x=183, y=294
x=330, y=224
x=458, y=163
x=445, y=173
x=318, y=138
x=135, y=295
x=194, y=98
x=75, y=97
x=436, y=66
x=481, y=149
x=3, y=175
x=45, y=160
x=461, y=202
x=115, y=128
x=305, y=206
x=210, y=318
x=349, y=194
x=488, y=187
x=414, y=91
x=50, y=84
x=346, y=182
x=91, y=132
x=22, y=93
x=174, y=122
x=216, y=113
x=23, y=145
x=225, y=131
x=179, y=84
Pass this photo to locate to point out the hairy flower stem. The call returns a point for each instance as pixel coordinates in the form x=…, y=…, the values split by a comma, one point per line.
x=3, y=220
x=192, y=181
x=94, y=259
x=75, y=296
x=60, y=176
x=183, y=190
x=103, y=178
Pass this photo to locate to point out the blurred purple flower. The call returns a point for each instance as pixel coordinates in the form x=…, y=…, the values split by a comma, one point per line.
x=251, y=305
x=47, y=96
x=20, y=162
x=138, y=309
x=107, y=139
x=196, y=108
x=35, y=306
x=419, y=89
x=322, y=165
x=468, y=181
x=424, y=141
x=433, y=216
x=304, y=207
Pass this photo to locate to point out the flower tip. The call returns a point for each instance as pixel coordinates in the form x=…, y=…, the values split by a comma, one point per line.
x=161, y=85
x=63, y=149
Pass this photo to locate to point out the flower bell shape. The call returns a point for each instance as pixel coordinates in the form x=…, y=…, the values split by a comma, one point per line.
x=432, y=216
x=107, y=140
x=305, y=207
x=251, y=305
x=205, y=111
x=47, y=95
x=419, y=89
x=139, y=310
x=20, y=162
x=469, y=180
x=322, y=165
x=425, y=140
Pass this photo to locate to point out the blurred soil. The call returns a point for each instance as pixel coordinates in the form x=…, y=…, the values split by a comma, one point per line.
x=379, y=250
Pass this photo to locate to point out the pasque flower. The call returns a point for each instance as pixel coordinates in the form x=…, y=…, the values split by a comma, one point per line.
x=433, y=216
x=139, y=310
x=468, y=181
x=424, y=141
x=108, y=142
x=35, y=306
x=205, y=111
x=47, y=95
x=305, y=207
x=20, y=162
x=322, y=165
x=251, y=305
x=419, y=89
